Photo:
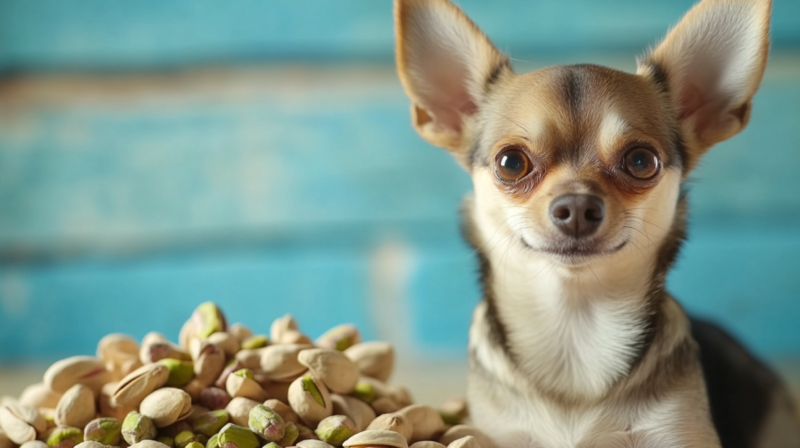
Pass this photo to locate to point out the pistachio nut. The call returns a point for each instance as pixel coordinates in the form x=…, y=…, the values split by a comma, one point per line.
x=340, y=337
x=214, y=398
x=242, y=384
x=195, y=445
x=156, y=347
x=229, y=344
x=393, y=422
x=234, y=436
x=211, y=422
x=294, y=337
x=29, y=415
x=375, y=359
x=103, y=430
x=461, y=431
x=148, y=444
x=235, y=364
x=425, y=420
x=41, y=444
x=16, y=429
x=117, y=347
x=106, y=408
x=240, y=331
x=169, y=441
x=427, y=444
x=278, y=389
x=359, y=412
x=86, y=370
x=197, y=411
x=65, y=437
x=209, y=361
x=39, y=396
x=194, y=388
x=183, y=438
x=137, y=427
x=76, y=407
x=256, y=341
x=399, y=394
x=376, y=438
x=280, y=361
x=266, y=423
x=385, y=405
x=311, y=443
x=246, y=358
x=364, y=392
x=454, y=411
x=331, y=367
x=180, y=372
x=310, y=399
x=290, y=434
x=286, y=413
x=335, y=429
x=272, y=445
x=465, y=442
x=187, y=334
x=213, y=441
x=208, y=319
x=239, y=410
x=280, y=326
x=49, y=417
x=140, y=383
x=166, y=406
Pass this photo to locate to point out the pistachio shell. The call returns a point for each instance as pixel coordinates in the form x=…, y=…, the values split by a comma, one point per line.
x=427, y=444
x=239, y=410
x=187, y=334
x=137, y=427
x=247, y=358
x=239, y=386
x=465, y=442
x=29, y=415
x=194, y=388
x=340, y=337
x=209, y=360
x=280, y=326
x=155, y=348
x=107, y=409
x=358, y=411
x=229, y=344
x=148, y=444
x=453, y=411
x=393, y=422
x=117, y=347
x=310, y=443
x=15, y=428
x=89, y=444
x=278, y=389
x=399, y=394
x=310, y=400
x=332, y=367
x=86, y=370
x=294, y=337
x=39, y=396
x=76, y=407
x=461, y=431
x=139, y=384
x=166, y=406
x=208, y=319
x=106, y=431
x=240, y=331
x=377, y=437
x=197, y=411
x=280, y=361
x=375, y=359
x=37, y=444
x=214, y=398
x=385, y=405
x=425, y=420
x=286, y=413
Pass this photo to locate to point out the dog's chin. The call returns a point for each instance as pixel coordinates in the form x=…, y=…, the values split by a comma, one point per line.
x=575, y=253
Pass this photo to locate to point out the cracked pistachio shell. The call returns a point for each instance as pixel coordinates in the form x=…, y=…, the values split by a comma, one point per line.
x=374, y=359
x=106, y=431
x=399, y=394
x=286, y=412
x=139, y=384
x=166, y=406
x=331, y=367
x=29, y=415
x=117, y=347
x=208, y=319
x=229, y=344
x=106, y=408
x=465, y=442
x=335, y=429
x=425, y=420
x=267, y=423
x=427, y=444
x=358, y=411
x=210, y=422
x=376, y=438
x=385, y=405
x=86, y=370
x=194, y=388
x=90, y=444
x=460, y=431
x=239, y=410
x=76, y=407
x=310, y=400
x=340, y=337
x=280, y=326
x=65, y=437
x=234, y=365
x=290, y=434
x=156, y=347
x=393, y=422
x=294, y=337
x=16, y=429
x=272, y=445
x=214, y=398
x=240, y=331
x=148, y=444
x=242, y=384
x=180, y=372
x=280, y=361
x=209, y=361
x=311, y=443
x=39, y=396
x=138, y=427
x=235, y=436
x=247, y=358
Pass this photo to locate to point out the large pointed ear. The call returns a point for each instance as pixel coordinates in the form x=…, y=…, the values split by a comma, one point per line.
x=446, y=65
x=711, y=63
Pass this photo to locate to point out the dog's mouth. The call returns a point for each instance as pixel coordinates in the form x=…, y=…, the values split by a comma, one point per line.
x=575, y=252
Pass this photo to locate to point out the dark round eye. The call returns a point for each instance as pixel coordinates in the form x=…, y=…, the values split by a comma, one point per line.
x=641, y=163
x=512, y=164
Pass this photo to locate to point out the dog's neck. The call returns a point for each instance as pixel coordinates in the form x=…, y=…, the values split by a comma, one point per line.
x=573, y=331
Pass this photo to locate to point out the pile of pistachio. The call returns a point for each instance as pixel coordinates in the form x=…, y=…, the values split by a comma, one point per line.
x=222, y=386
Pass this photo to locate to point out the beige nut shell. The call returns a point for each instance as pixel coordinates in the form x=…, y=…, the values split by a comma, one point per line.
x=304, y=404
x=149, y=444
x=465, y=442
x=280, y=361
x=39, y=396
x=239, y=410
x=238, y=386
x=29, y=415
x=376, y=437
x=76, y=407
x=393, y=422
x=138, y=384
x=460, y=431
x=427, y=444
x=331, y=367
x=375, y=359
x=229, y=344
x=16, y=429
x=166, y=406
x=86, y=370
x=359, y=412
x=283, y=409
x=426, y=421
x=311, y=443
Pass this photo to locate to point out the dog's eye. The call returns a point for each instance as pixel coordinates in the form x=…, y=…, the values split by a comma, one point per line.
x=512, y=164
x=641, y=163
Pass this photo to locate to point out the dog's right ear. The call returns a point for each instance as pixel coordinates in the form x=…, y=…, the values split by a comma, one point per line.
x=446, y=65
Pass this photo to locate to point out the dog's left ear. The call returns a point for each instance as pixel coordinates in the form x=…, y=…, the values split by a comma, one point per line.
x=445, y=64
x=711, y=63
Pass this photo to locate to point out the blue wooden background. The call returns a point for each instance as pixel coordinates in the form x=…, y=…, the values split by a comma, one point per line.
x=259, y=154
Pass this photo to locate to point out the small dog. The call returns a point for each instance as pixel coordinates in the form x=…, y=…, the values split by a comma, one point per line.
x=577, y=215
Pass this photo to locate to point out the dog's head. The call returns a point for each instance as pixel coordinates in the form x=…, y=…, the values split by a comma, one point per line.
x=578, y=163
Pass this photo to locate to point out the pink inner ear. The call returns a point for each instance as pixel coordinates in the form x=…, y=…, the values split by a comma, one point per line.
x=446, y=97
x=691, y=101
x=694, y=103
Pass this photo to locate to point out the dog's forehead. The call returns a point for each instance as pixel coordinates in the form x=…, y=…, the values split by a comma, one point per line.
x=571, y=110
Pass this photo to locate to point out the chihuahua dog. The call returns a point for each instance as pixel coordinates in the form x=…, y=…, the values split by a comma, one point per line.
x=577, y=216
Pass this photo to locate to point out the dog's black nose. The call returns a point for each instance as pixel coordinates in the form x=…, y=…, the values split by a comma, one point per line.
x=577, y=215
